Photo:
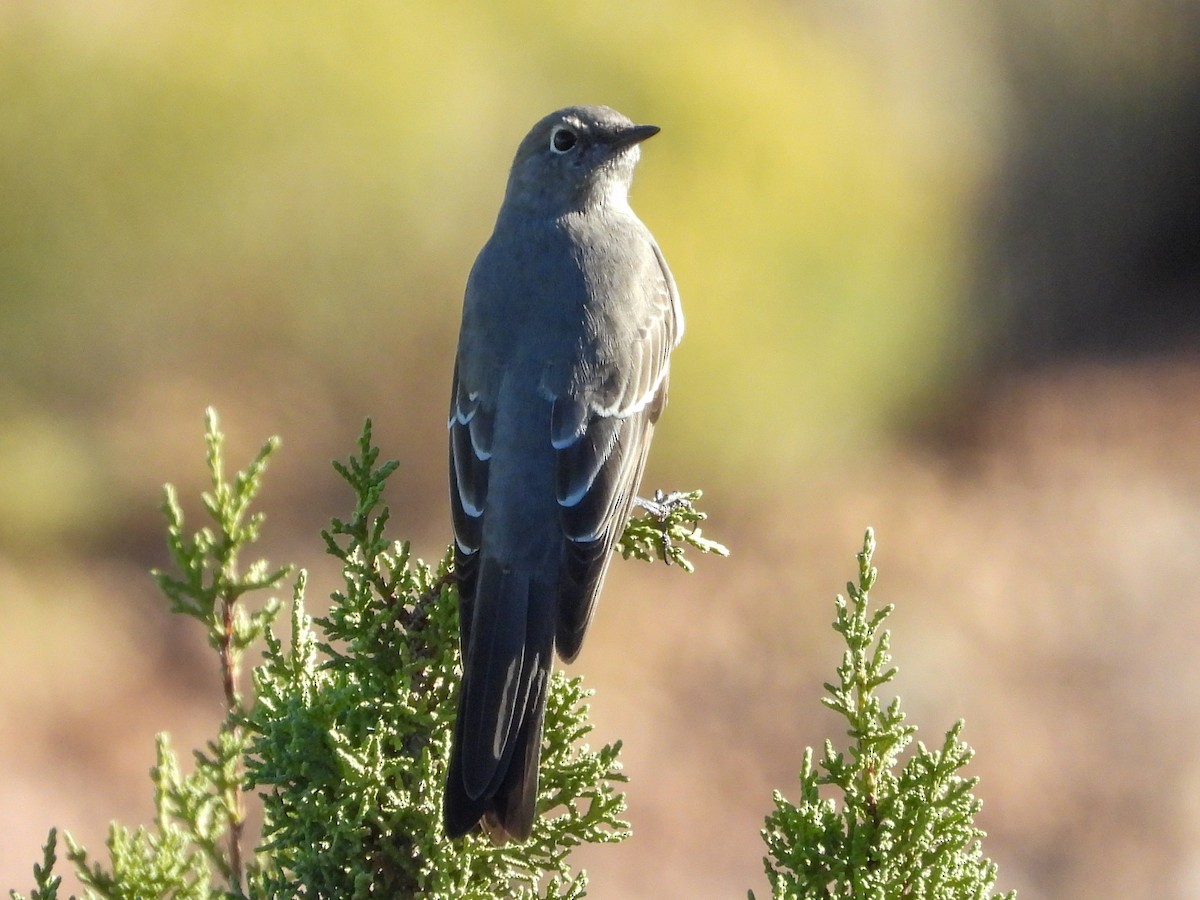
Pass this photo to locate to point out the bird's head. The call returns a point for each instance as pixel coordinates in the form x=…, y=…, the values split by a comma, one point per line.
x=576, y=157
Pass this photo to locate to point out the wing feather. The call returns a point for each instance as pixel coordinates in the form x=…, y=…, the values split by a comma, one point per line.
x=601, y=452
x=470, y=453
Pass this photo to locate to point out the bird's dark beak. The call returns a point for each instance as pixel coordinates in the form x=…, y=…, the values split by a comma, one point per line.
x=634, y=134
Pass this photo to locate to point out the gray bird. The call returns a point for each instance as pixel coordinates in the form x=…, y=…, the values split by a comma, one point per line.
x=569, y=319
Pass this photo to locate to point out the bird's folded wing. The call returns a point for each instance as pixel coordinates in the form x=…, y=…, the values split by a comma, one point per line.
x=601, y=430
x=471, y=424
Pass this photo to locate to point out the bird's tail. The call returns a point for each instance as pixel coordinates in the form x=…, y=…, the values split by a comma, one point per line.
x=497, y=743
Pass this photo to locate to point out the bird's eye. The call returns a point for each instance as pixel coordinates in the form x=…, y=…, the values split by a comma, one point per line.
x=562, y=139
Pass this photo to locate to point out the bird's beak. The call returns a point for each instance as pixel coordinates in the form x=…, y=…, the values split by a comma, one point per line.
x=634, y=134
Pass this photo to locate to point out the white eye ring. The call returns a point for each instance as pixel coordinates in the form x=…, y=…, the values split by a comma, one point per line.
x=562, y=140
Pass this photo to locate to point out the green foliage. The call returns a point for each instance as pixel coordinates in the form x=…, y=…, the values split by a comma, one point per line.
x=348, y=736
x=352, y=731
x=199, y=818
x=210, y=585
x=45, y=882
x=900, y=832
x=670, y=519
x=195, y=812
x=177, y=858
x=348, y=740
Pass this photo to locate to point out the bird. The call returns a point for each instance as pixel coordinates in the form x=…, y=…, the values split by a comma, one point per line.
x=569, y=318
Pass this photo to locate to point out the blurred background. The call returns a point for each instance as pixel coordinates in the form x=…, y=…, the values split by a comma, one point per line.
x=941, y=267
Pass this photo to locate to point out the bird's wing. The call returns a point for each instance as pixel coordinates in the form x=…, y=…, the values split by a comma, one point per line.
x=471, y=423
x=600, y=430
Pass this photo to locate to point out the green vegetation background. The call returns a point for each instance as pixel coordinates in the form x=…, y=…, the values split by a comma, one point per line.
x=201, y=198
